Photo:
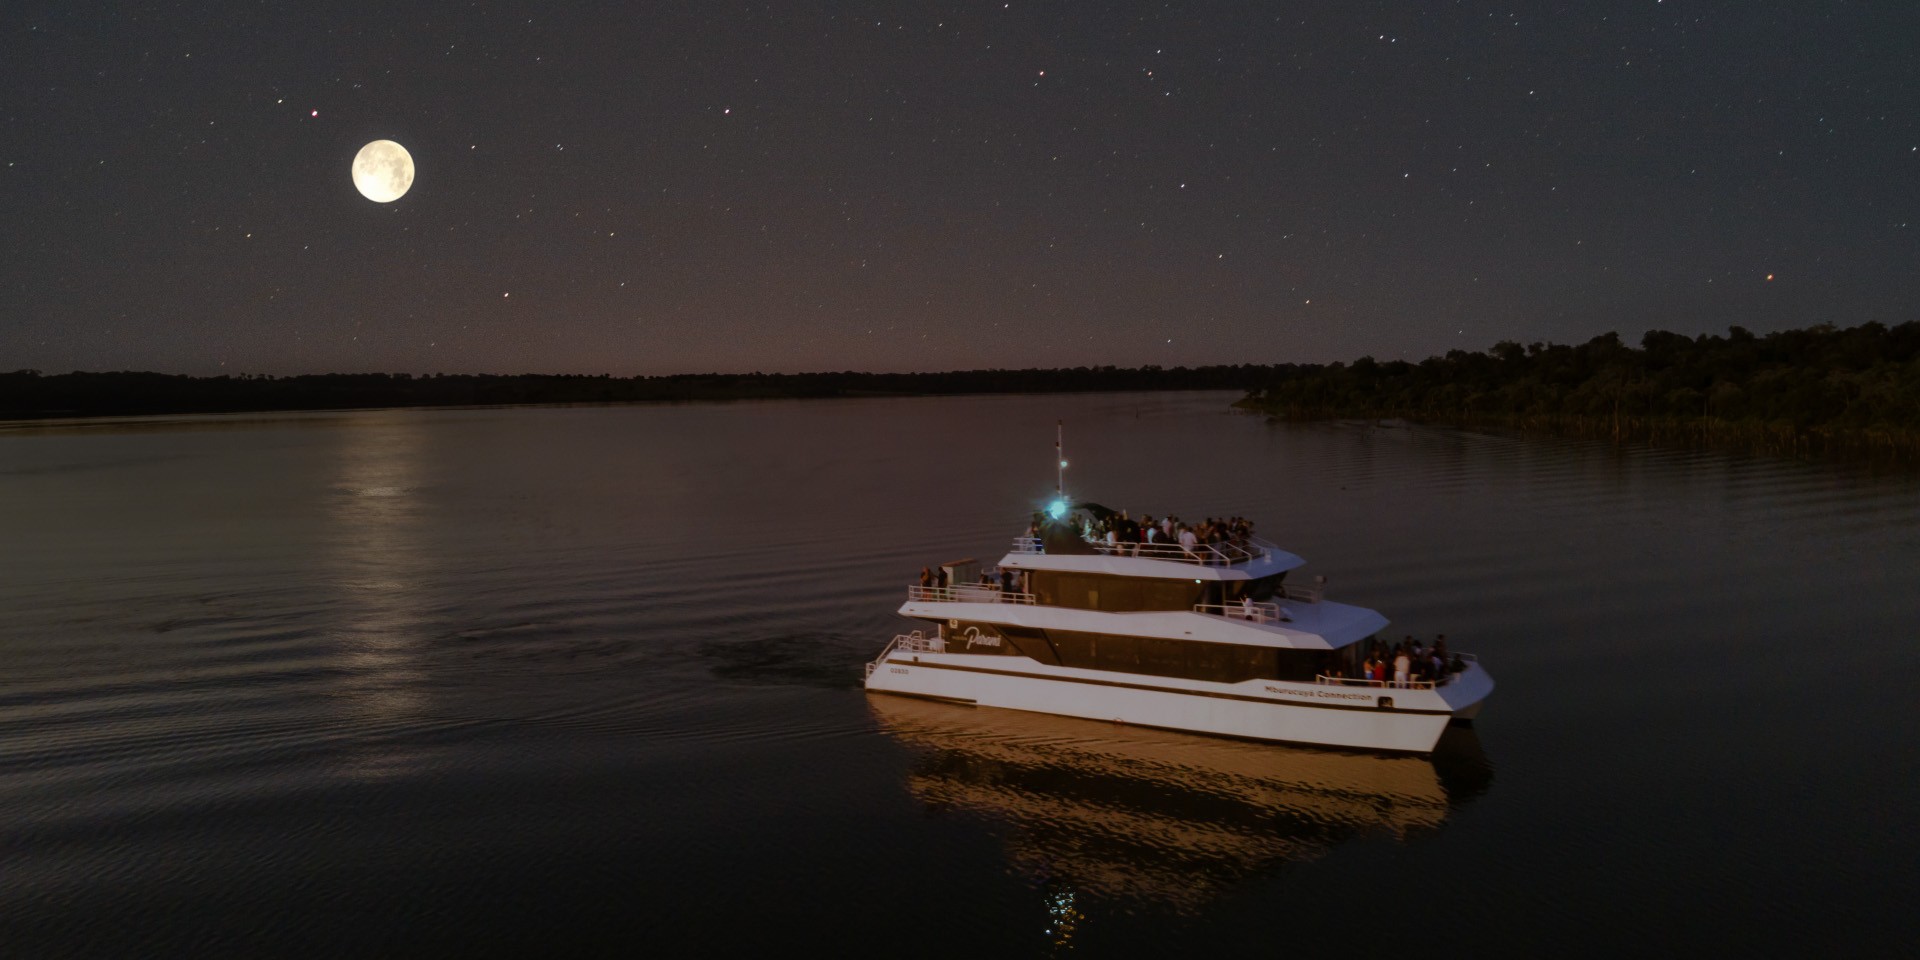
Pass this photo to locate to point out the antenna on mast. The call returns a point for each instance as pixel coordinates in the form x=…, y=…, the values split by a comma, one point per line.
x=1058, y=508
x=1060, y=454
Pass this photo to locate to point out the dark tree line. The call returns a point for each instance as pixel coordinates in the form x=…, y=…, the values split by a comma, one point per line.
x=26, y=394
x=1817, y=390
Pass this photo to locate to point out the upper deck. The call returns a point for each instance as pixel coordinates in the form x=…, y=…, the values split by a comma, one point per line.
x=1248, y=559
x=1298, y=618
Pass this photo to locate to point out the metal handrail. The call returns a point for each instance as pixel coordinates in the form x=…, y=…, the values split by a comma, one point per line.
x=967, y=593
x=1254, y=612
x=915, y=642
x=1203, y=554
x=1303, y=594
x=875, y=663
x=1387, y=684
x=1445, y=678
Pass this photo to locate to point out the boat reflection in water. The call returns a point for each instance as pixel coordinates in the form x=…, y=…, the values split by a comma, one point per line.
x=1162, y=817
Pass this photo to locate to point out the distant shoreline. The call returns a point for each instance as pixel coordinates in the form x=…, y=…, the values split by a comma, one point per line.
x=1822, y=391
x=29, y=395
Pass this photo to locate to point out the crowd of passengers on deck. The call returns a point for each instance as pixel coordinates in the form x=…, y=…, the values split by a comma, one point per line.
x=1122, y=535
x=1006, y=581
x=1407, y=663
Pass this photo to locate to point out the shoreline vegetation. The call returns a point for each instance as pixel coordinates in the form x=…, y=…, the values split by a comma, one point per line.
x=1822, y=391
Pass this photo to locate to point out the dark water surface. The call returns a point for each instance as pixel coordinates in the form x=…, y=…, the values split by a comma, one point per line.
x=562, y=681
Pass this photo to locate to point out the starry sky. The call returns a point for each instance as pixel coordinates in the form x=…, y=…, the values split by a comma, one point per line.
x=664, y=187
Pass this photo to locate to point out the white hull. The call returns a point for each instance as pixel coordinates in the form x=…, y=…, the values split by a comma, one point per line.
x=1323, y=714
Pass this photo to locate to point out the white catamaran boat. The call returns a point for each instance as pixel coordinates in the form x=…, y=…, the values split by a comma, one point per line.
x=1183, y=635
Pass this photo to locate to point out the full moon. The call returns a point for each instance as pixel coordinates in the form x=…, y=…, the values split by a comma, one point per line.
x=382, y=171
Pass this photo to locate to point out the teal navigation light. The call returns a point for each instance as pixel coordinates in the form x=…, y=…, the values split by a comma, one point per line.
x=1057, y=509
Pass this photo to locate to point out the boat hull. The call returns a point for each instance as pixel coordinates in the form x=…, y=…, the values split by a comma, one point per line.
x=1359, y=717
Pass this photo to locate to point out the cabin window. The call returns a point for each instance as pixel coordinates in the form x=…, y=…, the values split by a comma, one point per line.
x=1165, y=658
x=1090, y=591
x=1186, y=659
x=1262, y=589
x=1211, y=661
x=1028, y=642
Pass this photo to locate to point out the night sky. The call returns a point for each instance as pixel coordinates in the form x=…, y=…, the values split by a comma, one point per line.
x=653, y=188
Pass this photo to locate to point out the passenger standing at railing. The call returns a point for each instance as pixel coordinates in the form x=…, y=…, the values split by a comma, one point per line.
x=926, y=578
x=1402, y=667
x=1006, y=583
x=940, y=579
x=1187, y=540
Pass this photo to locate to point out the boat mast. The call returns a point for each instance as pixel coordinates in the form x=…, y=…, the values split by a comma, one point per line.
x=1060, y=457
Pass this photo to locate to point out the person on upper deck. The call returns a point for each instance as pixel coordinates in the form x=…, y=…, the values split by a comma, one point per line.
x=1187, y=540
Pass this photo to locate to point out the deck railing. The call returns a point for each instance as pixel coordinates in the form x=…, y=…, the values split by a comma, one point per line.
x=1253, y=612
x=1445, y=678
x=1387, y=684
x=966, y=593
x=1270, y=611
x=1304, y=592
x=915, y=642
x=1203, y=554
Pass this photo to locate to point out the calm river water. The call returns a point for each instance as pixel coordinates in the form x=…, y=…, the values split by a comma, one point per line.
x=555, y=681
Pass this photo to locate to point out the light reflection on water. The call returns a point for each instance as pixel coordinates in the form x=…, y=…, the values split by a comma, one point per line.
x=1159, y=818
x=379, y=562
